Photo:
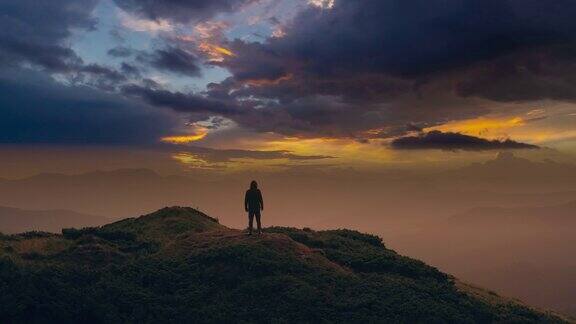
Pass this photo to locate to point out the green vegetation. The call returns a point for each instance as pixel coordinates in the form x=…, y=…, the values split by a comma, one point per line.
x=179, y=265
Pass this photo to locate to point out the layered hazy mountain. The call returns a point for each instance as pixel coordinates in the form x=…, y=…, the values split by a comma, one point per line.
x=15, y=220
x=510, y=173
x=180, y=265
x=505, y=223
x=506, y=181
x=525, y=251
x=546, y=216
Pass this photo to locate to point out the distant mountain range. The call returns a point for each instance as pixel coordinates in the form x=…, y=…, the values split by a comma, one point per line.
x=527, y=251
x=116, y=193
x=180, y=265
x=509, y=173
x=504, y=181
x=556, y=215
x=14, y=220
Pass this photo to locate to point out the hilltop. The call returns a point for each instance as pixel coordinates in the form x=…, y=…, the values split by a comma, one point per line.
x=180, y=265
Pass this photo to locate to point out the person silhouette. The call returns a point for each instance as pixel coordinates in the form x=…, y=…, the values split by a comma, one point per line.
x=253, y=204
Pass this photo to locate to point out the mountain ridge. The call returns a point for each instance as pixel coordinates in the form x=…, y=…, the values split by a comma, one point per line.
x=178, y=264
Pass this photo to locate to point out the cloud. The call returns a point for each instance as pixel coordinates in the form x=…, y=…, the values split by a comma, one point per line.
x=145, y=25
x=40, y=110
x=36, y=32
x=82, y=107
x=454, y=142
x=357, y=69
x=130, y=69
x=545, y=73
x=106, y=72
x=120, y=51
x=174, y=60
x=387, y=63
x=180, y=11
x=420, y=37
x=37, y=36
x=178, y=101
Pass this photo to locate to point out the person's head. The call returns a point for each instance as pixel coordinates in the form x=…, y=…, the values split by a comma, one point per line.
x=253, y=185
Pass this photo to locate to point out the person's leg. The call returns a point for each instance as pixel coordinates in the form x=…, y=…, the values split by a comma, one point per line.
x=250, y=222
x=258, y=222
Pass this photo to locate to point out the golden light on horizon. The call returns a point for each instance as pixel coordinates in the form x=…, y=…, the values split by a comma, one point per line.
x=522, y=129
x=482, y=126
x=347, y=151
x=545, y=135
x=192, y=160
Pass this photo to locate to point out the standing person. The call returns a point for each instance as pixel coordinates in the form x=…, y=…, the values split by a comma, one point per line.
x=253, y=204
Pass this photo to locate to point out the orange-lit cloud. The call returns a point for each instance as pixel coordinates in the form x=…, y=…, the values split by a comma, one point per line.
x=185, y=139
x=208, y=38
x=214, y=52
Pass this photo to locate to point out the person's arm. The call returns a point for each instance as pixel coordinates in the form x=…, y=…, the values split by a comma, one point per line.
x=261, y=200
x=246, y=201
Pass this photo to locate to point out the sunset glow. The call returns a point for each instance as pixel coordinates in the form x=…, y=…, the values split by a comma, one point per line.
x=403, y=149
x=483, y=126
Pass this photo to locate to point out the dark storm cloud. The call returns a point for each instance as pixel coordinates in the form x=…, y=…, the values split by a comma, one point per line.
x=178, y=101
x=541, y=74
x=256, y=62
x=52, y=57
x=309, y=116
x=130, y=69
x=180, y=10
x=34, y=32
x=177, y=61
x=36, y=35
x=168, y=59
x=39, y=110
x=103, y=71
x=419, y=37
x=387, y=63
x=35, y=45
x=363, y=69
x=454, y=142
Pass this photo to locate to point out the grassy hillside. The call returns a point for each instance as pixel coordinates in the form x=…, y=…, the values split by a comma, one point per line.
x=179, y=265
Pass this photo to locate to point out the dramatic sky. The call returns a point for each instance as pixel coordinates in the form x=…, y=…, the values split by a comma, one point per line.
x=227, y=85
